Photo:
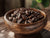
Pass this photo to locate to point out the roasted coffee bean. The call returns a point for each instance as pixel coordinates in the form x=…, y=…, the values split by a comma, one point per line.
x=30, y=21
x=24, y=9
x=38, y=13
x=26, y=22
x=38, y=16
x=23, y=21
x=23, y=13
x=35, y=12
x=10, y=18
x=13, y=15
x=15, y=12
x=21, y=9
x=41, y=17
x=31, y=16
x=14, y=19
x=19, y=21
x=26, y=12
x=27, y=18
x=19, y=15
x=33, y=19
x=24, y=17
x=32, y=11
x=29, y=13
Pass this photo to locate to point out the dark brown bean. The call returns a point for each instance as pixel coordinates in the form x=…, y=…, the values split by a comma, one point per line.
x=10, y=18
x=19, y=21
x=24, y=17
x=14, y=19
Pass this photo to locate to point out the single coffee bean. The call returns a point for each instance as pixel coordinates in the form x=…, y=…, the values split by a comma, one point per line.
x=26, y=22
x=19, y=15
x=15, y=12
x=19, y=21
x=35, y=12
x=26, y=12
x=27, y=18
x=12, y=15
x=33, y=19
x=30, y=21
x=29, y=13
x=21, y=9
x=24, y=17
x=32, y=11
x=38, y=16
x=14, y=19
x=31, y=16
x=38, y=13
x=10, y=18
x=41, y=17
x=23, y=13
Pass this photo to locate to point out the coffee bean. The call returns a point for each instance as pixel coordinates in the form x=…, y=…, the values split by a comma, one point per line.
x=23, y=13
x=38, y=13
x=29, y=21
x=26, y=12
x=27, y=18
x=18, y=15
x=12, y=15
x=19, y=21
x=29, y=13
x=31, y=16
x=15, y=12
x=10, y=18
x=32, y=11
x=38, y=16
x=41, y=17
x=33, y=19
x=24, y=17
x=14, y=19
x=26, y=22
x=21, y=9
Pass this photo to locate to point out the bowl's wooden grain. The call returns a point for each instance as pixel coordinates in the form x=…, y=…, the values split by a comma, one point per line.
x=26, y=28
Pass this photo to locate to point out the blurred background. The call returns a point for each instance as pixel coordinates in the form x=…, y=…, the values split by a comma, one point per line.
x=6, y=5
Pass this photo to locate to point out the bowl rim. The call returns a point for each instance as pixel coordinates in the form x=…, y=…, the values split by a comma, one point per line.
x=27, y=23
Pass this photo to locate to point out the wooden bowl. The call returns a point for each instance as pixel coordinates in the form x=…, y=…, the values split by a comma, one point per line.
x=26, y=28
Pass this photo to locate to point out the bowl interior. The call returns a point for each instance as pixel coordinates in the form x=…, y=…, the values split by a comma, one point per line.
x=11, y=11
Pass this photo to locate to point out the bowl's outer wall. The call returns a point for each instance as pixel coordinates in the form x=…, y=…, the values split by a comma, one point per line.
x=23, y=30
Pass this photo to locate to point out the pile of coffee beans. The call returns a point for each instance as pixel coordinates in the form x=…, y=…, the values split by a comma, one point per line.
x=25, y=15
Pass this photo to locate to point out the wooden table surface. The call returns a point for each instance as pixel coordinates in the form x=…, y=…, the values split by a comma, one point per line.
x=5, y=33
